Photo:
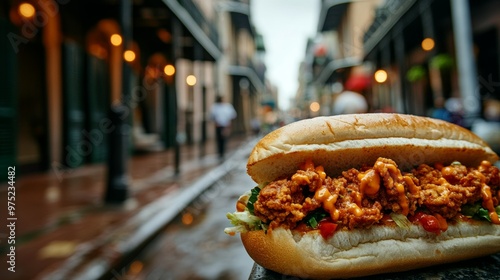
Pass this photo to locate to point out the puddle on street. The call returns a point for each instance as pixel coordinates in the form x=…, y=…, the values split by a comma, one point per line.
x=194, y=245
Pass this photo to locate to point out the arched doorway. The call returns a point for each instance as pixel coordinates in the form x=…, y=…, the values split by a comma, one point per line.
x=26, y=66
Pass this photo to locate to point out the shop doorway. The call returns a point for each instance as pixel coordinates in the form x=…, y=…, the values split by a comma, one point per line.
x=32, y=122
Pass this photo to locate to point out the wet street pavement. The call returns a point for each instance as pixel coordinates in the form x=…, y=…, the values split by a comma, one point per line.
x=65, y=231
x=194, y=245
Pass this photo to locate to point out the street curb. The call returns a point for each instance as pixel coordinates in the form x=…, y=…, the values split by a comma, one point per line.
x=119, y=244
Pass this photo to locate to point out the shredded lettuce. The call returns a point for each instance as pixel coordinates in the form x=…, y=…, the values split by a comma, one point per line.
x=243, y=222
x=254, y=194
x=476, y=211
x=312, y=219
x=246, y=220
x=401, y=220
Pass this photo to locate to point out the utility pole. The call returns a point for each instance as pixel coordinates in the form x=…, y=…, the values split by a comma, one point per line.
x=177, y=52
x=468, y=83
x=198, y=62
x=118, y=142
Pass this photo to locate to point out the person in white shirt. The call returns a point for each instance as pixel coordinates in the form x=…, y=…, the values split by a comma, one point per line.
x=222, y=113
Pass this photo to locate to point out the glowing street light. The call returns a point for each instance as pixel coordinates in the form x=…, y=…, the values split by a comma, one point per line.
x=380, y=76
x=169, y=70
x=314, y=107
x=26, y=10
x=116, y=40
x=427, y=44
x=191, y=80
x=129, y=55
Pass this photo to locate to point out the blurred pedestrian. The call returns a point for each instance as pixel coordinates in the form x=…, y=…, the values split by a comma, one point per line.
x=488, y=127
x=255, y=125
x=455, y=106
x=439, y=111
x=222, y=113
x=350, y=102
x=270, y=121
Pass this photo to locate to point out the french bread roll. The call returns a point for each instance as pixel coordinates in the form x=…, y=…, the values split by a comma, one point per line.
x=376, y=250
x=339, y=143
x=350, y=141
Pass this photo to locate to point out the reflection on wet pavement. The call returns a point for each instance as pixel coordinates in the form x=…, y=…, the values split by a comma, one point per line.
x=195, y=246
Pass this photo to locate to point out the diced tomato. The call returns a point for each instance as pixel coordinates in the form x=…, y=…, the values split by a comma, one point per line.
x=327, y=229
x=430, y=222
x=416, y=218
x=443, y=225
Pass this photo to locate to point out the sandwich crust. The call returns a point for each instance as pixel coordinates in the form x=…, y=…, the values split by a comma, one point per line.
x=358, y=253
x=339, y=143
x=351, y=141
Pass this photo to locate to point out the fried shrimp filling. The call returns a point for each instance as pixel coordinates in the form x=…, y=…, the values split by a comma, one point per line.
x=360, y=198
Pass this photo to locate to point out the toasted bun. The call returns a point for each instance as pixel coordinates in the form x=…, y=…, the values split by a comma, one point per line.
x=377, y=250
x=350, y=141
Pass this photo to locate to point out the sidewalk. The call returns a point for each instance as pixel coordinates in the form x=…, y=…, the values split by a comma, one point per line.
x=65, y=231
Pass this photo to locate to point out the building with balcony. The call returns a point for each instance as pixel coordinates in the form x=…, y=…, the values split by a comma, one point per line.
x=242, y=69
x=334, y=58
x=436, y=51
x=65, y=63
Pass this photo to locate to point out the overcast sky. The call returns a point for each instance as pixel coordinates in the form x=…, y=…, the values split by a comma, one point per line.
x=285, y=26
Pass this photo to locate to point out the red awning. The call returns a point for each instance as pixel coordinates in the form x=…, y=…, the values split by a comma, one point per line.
x=357, y=82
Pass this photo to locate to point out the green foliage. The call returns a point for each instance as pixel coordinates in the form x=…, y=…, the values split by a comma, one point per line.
x=416, y=73
x=442, y=62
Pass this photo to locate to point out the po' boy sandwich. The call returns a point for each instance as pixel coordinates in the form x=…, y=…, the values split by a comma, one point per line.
x=357, y=195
